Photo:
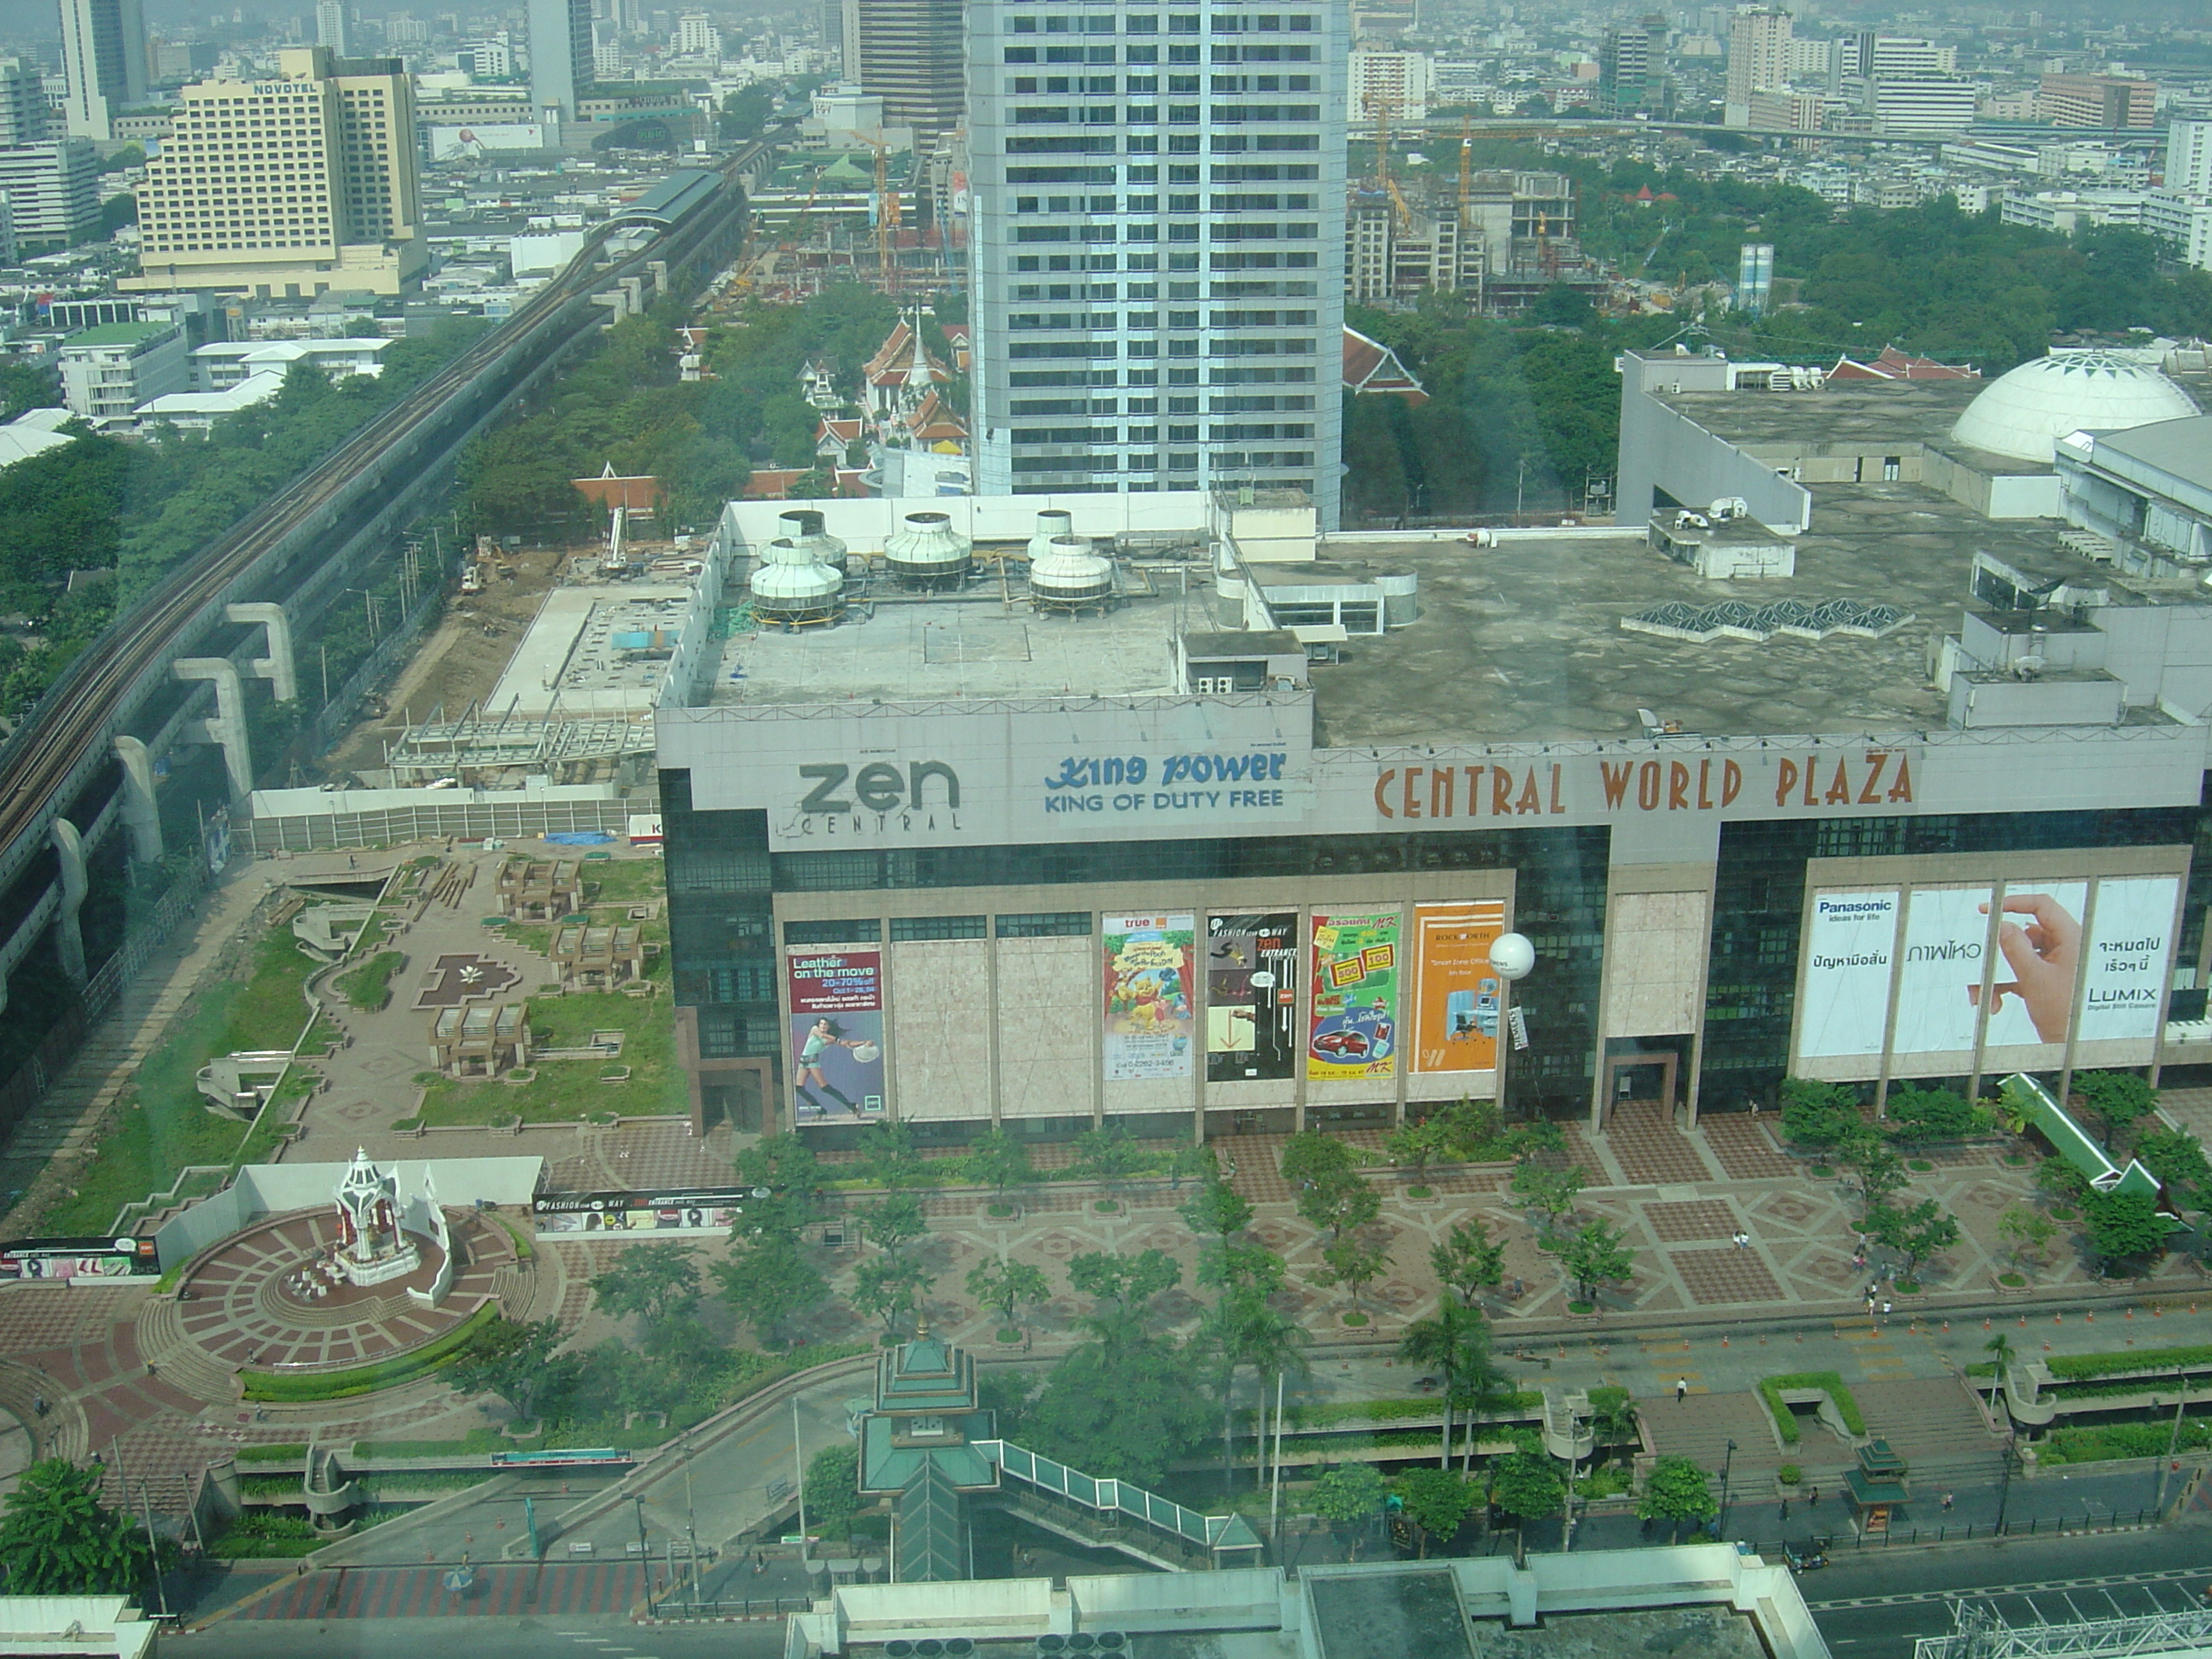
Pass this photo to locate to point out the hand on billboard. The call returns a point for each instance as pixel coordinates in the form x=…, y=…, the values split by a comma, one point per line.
x=2043, y=957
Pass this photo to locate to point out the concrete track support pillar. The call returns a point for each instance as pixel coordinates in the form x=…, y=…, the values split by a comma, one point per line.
x=68, y=936
x=140, y=813
x=277, y=666
x=227, y=726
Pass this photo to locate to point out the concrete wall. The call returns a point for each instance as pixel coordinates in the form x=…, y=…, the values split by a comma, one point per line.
x=1655, y=964
x=940, y=1027
x=275, y=1188
x=1662, y=449
x=1049, y=1014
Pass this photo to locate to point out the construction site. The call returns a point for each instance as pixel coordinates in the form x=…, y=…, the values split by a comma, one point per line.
x=892, y=219
x=1499, y=238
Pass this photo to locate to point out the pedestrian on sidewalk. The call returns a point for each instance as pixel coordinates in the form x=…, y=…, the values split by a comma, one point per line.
x=1813, y=1498
x=1885, y=1306
x=1947, y=1502
x=1786, y=1510
x=1681, y=1389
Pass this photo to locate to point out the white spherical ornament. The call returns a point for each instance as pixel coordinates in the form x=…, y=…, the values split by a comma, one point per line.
x=1513, y=956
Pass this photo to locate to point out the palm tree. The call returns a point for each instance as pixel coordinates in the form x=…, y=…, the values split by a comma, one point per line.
x=1243, y=1329
x=2001, y=1345
x=1456, y=1343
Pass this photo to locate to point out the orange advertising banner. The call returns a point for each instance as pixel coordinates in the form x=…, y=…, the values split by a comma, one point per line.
x=1457, y=993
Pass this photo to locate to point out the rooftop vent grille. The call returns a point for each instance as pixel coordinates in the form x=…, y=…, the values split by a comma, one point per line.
x=1734, y=619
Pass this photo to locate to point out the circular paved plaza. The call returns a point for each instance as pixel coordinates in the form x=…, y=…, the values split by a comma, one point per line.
x=251, y=1302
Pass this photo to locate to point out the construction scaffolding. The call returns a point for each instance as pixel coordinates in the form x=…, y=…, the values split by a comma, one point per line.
x=481, y=751
x=1982, y=1632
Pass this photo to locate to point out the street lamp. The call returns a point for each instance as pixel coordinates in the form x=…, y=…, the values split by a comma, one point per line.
x=1727, y=1462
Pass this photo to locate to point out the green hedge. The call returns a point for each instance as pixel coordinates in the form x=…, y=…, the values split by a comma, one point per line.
x=280, y=1388
x=2081, y=1366
x=2104, y=1443
x=1770, y=1387
x=1392, y=1411
x=278, y=1453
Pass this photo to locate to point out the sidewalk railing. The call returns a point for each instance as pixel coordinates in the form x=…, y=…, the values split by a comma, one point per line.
x=674, y=1607
x=1962, y=1532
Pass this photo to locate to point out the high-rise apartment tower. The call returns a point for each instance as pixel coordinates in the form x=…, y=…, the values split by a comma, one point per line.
x=104, y=56
x=909, y=53
x=560, y=54
x=1631, y=65
x=1157, y=245
x=1759, y=58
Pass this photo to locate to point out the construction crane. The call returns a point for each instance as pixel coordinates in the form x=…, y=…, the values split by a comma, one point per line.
x=1466, y=165
x=888, y=218
x=1384, y=106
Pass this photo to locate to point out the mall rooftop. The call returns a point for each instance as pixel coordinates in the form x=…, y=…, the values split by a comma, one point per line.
x=1899, y=610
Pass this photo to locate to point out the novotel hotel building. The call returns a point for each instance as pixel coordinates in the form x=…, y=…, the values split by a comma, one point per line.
x=1226, y=846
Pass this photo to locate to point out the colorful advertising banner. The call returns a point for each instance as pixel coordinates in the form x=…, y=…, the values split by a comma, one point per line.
x=1456, y=991
x=1354, y=1031
x=2129, y=958
x=1849, y=942
x=836, y=1001
x=122, y=1257
x=1251, y=997
x=1151, y=1020
x=702, y=1214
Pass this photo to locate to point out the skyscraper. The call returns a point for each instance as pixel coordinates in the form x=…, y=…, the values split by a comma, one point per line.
x=1759, y=58
x=1158, y=247
x=51, y=180
x=333, y=26
x=294, y=187
x=1631, y=65
x=2189, y=157
x=104, y=56
x=909, y=52
x=560, y=54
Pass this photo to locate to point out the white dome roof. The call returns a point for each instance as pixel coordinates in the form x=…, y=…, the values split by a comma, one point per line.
x=2023, y=414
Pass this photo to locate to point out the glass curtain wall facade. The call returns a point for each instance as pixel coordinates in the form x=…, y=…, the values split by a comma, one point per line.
x=1158, y=247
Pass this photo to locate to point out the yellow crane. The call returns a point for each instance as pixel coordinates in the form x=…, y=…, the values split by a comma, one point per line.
x=888, y=218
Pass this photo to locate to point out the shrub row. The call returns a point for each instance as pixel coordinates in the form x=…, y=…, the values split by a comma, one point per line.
x=1847, y=1406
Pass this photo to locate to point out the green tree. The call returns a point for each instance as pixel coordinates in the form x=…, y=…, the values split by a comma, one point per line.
x=1007, y=1286
x=1819, y=1115
x=1242, y=1329
x=1676, y=1491
x=1925, y=1230
x=1416, y=1146
x=1348, y=1496
x=769, y=1283
x=2119, y=1098
x=1468, y=1261
x=2060, y=1180
x=2176, y=1159
x=1436, y=1502
x=658, y=1283
x=888, y=1287
x=1354, y=1262
x=894, y=1221
x=997, y=1160
x=1124, y=1405
x=833, y=1490
x=2028, y=1231
x=508, y=1358
x=1109, y=1155
x=888, y=1157
x=1129, y=1282
x=2001, y=1352
x=25, y=385
x=1551, y=1192
x=1217, y=1214
x=1876, y=1171
x=1934, y=1114
x=1312, y=1158
x=2123, y=1226
x=745, y=113
x=1528, y=1486
x=787, y=1181
x=57, y=1539
x=1597, y=1256
x=1455, y=1345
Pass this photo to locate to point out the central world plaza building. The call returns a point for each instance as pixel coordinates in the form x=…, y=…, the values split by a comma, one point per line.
x=1866, y=786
